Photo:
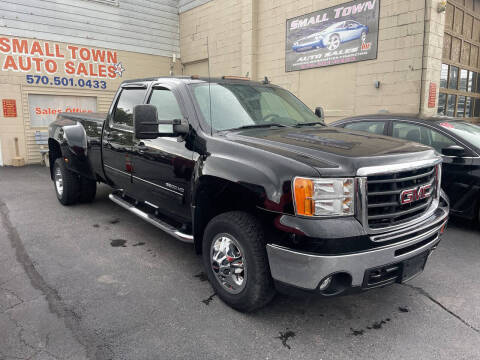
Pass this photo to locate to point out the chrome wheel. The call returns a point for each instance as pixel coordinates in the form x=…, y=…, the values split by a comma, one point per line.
x=333, y=42
x=59, y=181
x=228, y=264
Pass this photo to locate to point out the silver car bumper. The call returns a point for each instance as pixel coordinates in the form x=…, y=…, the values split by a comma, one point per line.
x=306, y=271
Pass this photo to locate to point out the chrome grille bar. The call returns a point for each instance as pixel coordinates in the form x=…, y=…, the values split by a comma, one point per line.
x=399, y=213
x=403, y=179
x=380, y=208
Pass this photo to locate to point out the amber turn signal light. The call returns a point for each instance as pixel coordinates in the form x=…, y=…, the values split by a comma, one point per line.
x=304, y=196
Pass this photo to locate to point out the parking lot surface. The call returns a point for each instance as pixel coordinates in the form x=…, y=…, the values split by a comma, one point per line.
x=93, y=281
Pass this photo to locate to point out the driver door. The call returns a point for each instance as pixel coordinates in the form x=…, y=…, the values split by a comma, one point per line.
x=163, y=167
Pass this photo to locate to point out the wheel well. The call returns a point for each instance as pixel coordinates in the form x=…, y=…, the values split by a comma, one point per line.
x=216, y=196
x=54, y=152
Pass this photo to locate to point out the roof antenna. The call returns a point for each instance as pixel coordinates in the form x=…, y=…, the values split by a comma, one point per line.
x=266, y=81
x=209, y=90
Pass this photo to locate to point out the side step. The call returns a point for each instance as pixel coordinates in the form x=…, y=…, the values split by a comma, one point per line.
x=152, y=220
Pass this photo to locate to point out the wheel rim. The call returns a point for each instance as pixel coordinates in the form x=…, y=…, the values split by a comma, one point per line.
x=228, y=263
x=59, y=181
x=333, y=43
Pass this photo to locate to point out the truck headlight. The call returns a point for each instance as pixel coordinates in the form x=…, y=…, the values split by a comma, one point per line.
x=324, y=197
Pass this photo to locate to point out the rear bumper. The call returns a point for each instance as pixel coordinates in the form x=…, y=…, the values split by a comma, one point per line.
x=306, y=270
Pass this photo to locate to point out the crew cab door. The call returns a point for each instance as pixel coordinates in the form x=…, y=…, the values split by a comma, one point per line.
x=117, y=138
x=163, y=167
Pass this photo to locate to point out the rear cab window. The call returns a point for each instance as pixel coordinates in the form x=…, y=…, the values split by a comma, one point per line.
x=123, y=114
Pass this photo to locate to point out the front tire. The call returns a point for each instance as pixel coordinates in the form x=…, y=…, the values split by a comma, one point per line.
x=236, y=262
x=66, y=182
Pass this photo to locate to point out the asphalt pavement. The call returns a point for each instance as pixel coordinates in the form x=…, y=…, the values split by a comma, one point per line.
x=93, y=281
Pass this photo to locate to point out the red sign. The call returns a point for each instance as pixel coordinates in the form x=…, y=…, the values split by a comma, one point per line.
x=41, y=56
x=432, y=95
x=9, y=108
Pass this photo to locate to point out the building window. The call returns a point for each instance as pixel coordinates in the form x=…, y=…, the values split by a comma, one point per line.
x=459, y=92
x=462, y=85
x=444, y=76
x=106, y=2
x=453, y=78
x=472, y=79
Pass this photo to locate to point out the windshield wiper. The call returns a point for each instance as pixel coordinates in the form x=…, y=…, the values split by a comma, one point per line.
x=310, y=124
x=257, y=126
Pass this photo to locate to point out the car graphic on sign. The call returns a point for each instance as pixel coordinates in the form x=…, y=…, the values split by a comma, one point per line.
x=332, y=36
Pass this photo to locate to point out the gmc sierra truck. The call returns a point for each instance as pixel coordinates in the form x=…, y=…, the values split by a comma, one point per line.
x=268, y=194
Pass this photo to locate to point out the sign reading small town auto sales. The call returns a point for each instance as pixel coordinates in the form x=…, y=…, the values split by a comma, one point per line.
x=50, y=63
x=340, y=34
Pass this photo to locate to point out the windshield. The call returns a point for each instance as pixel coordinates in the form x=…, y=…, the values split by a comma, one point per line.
x=466, y=131
x=237, y=105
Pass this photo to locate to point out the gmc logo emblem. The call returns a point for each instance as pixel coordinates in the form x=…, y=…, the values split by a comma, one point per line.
x=412, y=195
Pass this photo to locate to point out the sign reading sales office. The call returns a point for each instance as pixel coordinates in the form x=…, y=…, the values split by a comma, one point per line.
x=50, y=63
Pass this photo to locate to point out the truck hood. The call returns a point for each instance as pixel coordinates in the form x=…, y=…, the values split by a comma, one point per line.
x=333, y=151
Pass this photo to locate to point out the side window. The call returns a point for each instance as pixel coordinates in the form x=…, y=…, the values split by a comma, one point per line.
x=422, y=135
x=374, y=127
x=167, y=107
x=440, y=141
x=123, y=116
x=410, y=132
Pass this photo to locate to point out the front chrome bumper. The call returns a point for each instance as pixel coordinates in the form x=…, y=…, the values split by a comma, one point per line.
x=306, y=271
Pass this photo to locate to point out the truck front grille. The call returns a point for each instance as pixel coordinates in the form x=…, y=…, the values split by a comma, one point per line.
x=384, y=191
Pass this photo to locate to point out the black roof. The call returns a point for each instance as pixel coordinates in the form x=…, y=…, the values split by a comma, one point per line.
x=194, y=79
x=398, y=116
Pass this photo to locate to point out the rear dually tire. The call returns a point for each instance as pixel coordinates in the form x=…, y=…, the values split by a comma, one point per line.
x=66, y=183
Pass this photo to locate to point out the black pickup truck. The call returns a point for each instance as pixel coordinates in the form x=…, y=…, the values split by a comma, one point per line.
x=270, y=196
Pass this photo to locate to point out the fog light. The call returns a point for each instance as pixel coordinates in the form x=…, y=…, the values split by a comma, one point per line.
x=325, y=283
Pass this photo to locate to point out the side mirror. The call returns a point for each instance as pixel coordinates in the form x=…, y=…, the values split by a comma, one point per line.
x=320, y=112
x=180, y=127
x=147, y=125
x=453, y=150
x=145, y=121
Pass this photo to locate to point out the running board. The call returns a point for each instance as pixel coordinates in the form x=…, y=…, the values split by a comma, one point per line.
x=152, y=220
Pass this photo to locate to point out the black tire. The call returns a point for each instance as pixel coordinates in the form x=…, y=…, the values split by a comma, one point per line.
x=248, y=232
x=88, y=190
x=70, y=183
